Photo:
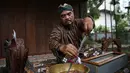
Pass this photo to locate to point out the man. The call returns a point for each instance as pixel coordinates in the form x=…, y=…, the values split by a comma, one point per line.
x=66, y=37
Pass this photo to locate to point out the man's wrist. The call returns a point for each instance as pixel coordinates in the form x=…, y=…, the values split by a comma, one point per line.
x=61, y=48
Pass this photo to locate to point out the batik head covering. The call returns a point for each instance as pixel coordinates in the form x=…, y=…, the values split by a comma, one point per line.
x=65, y=6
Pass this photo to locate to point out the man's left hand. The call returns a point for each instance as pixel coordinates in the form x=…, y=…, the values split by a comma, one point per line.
x=88, y=24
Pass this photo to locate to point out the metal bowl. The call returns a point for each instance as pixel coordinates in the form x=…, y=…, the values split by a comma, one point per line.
x=63, y=68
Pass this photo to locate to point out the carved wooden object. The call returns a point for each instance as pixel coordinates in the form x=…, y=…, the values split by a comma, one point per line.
x=17, y=57
x=107, y=42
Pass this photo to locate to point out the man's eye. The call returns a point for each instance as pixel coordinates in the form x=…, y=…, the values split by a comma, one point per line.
x=63, y=15
x=69, y=13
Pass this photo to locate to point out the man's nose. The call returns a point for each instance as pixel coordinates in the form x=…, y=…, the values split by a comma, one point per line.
x=66, y=17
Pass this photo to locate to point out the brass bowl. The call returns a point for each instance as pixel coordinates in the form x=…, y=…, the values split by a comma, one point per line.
x=63, y=68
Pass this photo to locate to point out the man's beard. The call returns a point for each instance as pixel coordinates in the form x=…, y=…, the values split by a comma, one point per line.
x=67, y=23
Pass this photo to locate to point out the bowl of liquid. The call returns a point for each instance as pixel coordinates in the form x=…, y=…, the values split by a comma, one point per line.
x=68, y=68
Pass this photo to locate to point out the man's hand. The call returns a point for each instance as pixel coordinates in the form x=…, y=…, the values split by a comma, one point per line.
x=69, y=49
x=88, y=24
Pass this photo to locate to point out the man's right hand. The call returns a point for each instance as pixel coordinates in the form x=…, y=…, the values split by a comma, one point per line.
x=69, y=49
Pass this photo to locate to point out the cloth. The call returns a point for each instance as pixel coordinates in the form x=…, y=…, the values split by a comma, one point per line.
x=63, y=35
x=90, y=52
x=64, y=7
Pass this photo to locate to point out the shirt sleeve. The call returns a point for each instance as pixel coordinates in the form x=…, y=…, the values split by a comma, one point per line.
x=54, y=44
x=54, y=39
x=80, y=24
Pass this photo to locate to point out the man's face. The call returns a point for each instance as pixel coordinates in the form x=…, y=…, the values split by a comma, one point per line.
x=67, y=17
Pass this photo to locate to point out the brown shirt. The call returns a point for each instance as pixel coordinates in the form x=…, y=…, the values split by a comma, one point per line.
x=63, y=35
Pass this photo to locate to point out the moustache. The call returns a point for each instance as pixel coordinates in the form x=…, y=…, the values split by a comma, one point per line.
x=68, y=20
